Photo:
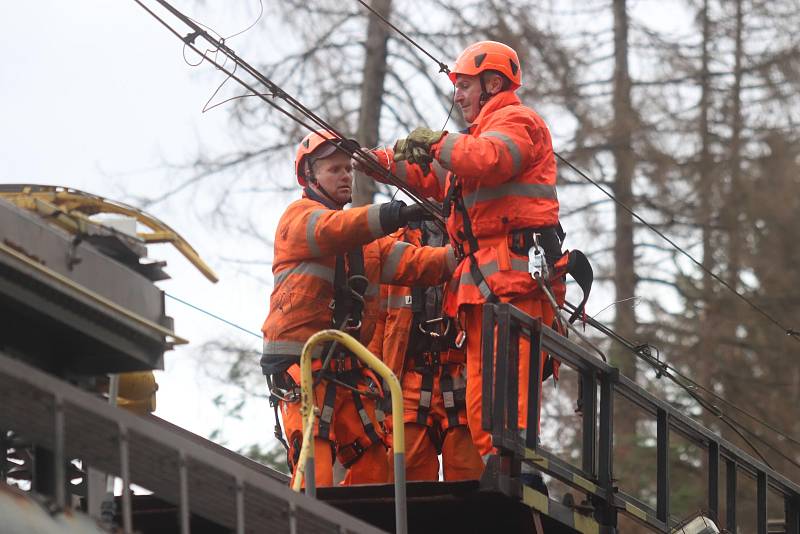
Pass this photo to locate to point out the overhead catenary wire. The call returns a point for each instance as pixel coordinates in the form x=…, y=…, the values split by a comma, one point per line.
x=667, y=369
x=213, y=315
x=795, y=334
x=312, y=122
x=641, y=351
x=442, y=66
x=788, y=331
x=276, y=92
x=664, y=369
x=791, y=332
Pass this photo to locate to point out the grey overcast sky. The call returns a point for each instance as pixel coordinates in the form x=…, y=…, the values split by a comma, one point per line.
x=94, y=94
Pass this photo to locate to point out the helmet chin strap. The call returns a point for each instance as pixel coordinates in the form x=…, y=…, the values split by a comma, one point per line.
x=485, y=96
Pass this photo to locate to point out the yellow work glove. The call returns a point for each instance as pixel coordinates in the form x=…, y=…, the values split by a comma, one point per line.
x=416, y=148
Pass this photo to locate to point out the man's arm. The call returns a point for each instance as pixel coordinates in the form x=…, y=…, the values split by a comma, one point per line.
x=428, y=185
x=498, y=154
x=407, y=265
x=316, y=232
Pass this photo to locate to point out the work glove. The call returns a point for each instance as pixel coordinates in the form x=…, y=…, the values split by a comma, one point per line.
x=414, y=213
x=396, y=214
x=416, y=148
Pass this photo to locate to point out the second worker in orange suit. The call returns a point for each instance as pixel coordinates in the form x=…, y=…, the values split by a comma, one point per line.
x=418, y=344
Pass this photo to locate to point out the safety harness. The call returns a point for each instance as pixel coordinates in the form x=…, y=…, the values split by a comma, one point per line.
x=549, y=238
x=340, y=368
x=431, y=335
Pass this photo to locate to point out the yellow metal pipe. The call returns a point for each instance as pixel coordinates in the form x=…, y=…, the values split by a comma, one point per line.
x=309, y=413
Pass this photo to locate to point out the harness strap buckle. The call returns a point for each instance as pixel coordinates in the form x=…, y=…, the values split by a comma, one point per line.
x=352, y=327
x=460, y=339
x=432, y=333
x=284, y=392
x=350, y=453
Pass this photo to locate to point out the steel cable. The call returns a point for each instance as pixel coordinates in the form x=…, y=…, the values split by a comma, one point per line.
x=793, y=333
x=276, y=91
x=676, y=376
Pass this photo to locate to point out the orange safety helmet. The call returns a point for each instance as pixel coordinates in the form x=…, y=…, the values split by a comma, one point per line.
x=489, y=55
x=319, y=145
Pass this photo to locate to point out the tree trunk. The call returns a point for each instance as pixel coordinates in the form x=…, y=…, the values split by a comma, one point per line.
x=706, y=170
x=369, y=117
x=624, y=275
x=734, y=246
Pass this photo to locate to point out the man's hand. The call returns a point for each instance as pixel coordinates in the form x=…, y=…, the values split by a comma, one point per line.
x=416, y=148
x=395, y=214
x=413, y=213
x=425, y=137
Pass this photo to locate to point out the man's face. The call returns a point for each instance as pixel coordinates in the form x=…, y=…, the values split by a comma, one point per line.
x=335, y=175
x=468, y=92
x=468, y=96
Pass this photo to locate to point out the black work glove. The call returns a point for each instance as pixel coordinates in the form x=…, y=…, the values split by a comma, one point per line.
x=414, y=213
x=395, y=214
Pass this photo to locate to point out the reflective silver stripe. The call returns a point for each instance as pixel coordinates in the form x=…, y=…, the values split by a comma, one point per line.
x=362, y=413
x=288, y=348
x=425, y=399
x=393, y=261
x=440, y=173
x=374, y=221
x=306, y=268
x=311, y=232
x=488, y=270
x=449, y=399
x=484, y=288
x=446, y=153
x=510, y=189
x=396, y=301
x=401, y=170
x=450, y=258
x=513, y=149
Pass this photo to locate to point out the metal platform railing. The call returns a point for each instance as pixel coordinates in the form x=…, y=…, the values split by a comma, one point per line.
x=503, y=324
x=310, y=413
x=230, y=491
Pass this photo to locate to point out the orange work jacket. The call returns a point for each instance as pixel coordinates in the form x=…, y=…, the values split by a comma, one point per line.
x=506, y=170
x=308, y=239
x=397, y=317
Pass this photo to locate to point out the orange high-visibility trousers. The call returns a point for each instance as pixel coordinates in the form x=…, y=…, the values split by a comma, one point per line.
x=346, y=428
x=460, y=458
x=472, y=321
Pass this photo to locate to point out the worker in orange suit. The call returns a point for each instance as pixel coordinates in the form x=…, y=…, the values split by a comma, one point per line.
x=497, y=180
x=328, y=266
x=419, y=346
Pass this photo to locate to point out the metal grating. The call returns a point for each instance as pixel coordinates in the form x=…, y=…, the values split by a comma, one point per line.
x=188, y=472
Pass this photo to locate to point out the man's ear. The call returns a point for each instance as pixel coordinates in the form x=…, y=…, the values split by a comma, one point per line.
x=495, y=84
x=308, y=173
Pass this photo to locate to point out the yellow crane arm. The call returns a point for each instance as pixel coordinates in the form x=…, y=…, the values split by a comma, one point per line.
x=71, y=208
